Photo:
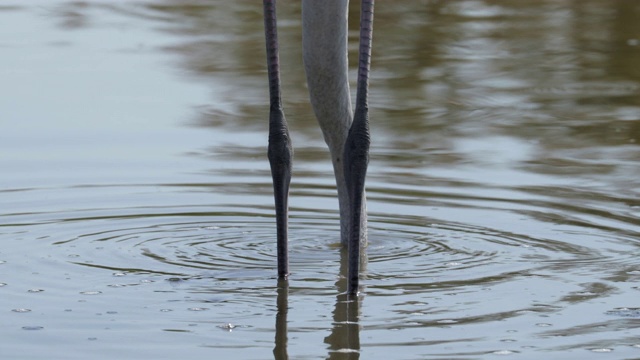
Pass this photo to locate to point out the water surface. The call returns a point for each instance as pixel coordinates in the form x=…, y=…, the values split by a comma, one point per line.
x=136, y=209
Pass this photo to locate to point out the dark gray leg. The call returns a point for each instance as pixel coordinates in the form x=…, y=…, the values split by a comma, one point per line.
x=280, y=151
x=356, y=149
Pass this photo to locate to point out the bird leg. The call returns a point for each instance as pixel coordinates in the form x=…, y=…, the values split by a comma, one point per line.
x=280, y=150
x=356, y=148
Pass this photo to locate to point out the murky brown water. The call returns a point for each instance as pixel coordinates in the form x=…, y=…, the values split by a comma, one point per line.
x=136, y=214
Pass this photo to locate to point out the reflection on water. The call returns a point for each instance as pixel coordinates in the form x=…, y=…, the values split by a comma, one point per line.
x=136, y=208
x=280, y=350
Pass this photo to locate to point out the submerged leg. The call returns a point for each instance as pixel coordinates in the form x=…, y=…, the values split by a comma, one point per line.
x=280, y=151
x=356, y=148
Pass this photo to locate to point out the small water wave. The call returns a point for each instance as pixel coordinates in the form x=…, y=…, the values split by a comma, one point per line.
x=421, y=271
x=189, y=240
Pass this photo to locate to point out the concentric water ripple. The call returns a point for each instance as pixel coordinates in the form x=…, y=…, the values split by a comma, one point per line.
x=423, y=276
x=165, y=241
x=405, y=251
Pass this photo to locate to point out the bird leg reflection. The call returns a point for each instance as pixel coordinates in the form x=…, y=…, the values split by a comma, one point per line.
x=344, y=340
x=280, y=349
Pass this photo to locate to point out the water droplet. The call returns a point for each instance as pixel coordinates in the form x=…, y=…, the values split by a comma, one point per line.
x=198, y=309
x=90, y=292
x=447, y=321
x=119, y=274
x=503, y=352
x=508, y=340
x=453, y=263
x=543, y=324
x=21, y=310
x=227, y=326
x=35, y=290
x=146, y=281
x=32, y=327
x=2, y=262
x=3, y=284
x=166, y=310
x=633, y=42
x=116, y=285
x=602, y=350
x=212, y=227
x=636, y=346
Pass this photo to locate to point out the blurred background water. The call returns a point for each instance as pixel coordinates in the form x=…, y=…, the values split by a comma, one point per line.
x=136, y=208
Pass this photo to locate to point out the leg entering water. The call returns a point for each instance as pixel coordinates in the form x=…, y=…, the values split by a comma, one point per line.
x=280, y=151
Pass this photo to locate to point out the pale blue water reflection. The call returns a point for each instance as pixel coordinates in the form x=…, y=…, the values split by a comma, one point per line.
x=136, y=214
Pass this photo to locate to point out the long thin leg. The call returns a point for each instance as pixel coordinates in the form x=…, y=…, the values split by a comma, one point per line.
x=356, y=149
x=280, y=151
